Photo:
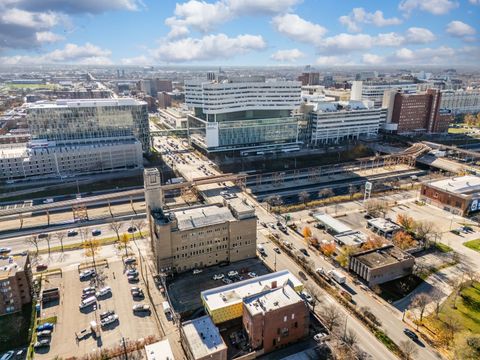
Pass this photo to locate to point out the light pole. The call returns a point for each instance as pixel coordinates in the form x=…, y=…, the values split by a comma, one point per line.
x=275, y=261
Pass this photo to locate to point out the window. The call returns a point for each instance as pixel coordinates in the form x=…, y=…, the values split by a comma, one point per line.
x=293, y=316
x=285, y=318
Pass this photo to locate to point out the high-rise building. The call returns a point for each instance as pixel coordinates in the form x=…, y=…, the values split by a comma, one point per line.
x=153, y=86
x=374, y=90
x=15, y=283
x=461, y=101
x=243, y=113
x=309, y=78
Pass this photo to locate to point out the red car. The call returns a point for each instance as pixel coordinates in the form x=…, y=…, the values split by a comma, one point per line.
x=42, y=267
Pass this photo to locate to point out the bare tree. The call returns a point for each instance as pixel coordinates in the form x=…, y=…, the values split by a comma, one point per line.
x=92, y=247
x=408, y=348
x=33, y=240
x=60, y=236
x=331, y=316
x=350, y=338
x=451, y=325
x=421, y=301
x=316, y=295
x=457, y=284
x=304, y=196
x=20, y=217
x=376, y=207
x=140, y=225
x=437, y=297
x=324, y=193
x=423, y=229
x=115, y=226
x=47, y=239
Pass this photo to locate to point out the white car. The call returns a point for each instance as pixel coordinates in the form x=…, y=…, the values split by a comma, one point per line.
x=252, y=274
x=218, y=277
x=232, y=273
x=109, y=320
x=104, y=291
x=141, y=307
x=308, y=298
x=197, y=271
x=320, y=337
x=87, y=274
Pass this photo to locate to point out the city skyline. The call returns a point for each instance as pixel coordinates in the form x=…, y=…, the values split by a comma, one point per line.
x=240, y=32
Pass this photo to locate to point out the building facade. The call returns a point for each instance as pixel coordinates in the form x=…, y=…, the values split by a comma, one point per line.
x=377, y=266
x=243, y=113
x=310, y=78
x=460, y=101
x=275, y=318
x=15, y=283
x=331, y=123
x=374, y=90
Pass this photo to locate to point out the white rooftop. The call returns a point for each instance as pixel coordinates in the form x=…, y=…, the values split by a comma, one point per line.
x=384, y=224
x=352, y=238
x=330, y=222
x=230, y=294
x=74, y=103
x=463, y=185
x=203, y=216
x=270, y=300
x=203, y=337
x=160, y=350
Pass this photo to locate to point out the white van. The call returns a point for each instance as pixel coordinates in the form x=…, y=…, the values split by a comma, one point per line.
x=166, y=308
x=87, y=302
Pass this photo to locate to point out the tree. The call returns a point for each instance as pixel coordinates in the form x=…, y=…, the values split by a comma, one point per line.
x=274, y=200
x=312, y=290
x=307, y=233
x=451, y=325
x=91, y=247
x=408, y=348
x=469, y=120
x=47, y=239
x=344, y=255
x=376, y=208
x=60, y=236
x=406, y=222
x=304, y=196
x=403, y=240
x=421, y=301
x=115, y=226
x=352, y=189
x=457, y=285
x=437, y=297
x=125, y=239
x=33, y=240
x=325, y=193
x=350, y=338
x=331, y=317
x=140, y=225
x=373, y=242
x=423, y=229
x=328, y=249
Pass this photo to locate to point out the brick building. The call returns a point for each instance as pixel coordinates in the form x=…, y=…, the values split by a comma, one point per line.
x=15, y=283
x=275, y=318
x=458, y=195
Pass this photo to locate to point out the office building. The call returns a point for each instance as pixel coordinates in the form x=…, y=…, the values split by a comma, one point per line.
x=153, y=86
x=275, y=318
x=15, y=283
x=225, y=303
x=461, y=101
x=243, y=113
x=335, y=122
x=199, y=236
x=309, y=78
x=458, y=195
x=201, y=340
x=164, y=100
x=407, y=113
x=374, y=90
x=378, y=266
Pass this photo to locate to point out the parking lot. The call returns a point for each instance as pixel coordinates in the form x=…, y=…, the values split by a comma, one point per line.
x=185, y=289
x=71, y=320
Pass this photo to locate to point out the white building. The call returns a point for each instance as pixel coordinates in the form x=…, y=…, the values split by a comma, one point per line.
x=339, y=121
x=364, y=90
x=460, y=101
x=161, y=350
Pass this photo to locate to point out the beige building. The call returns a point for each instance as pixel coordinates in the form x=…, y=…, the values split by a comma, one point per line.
x=201, y=340
x=197, y=237
x=15, y=283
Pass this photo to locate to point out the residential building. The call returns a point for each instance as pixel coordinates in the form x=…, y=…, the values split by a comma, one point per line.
x=409, y=113
x=334, y=122
x=461, y=101
x=309, y=78
x=160, y=350
x=197, y=237
x=458, y=195
x=164, y=100
x=243, y=113
x=225, y=303
x=275, y=318
x=15, y=283
x=153, y=86
x=201, y=340
x=374, y=90
x=377, y=266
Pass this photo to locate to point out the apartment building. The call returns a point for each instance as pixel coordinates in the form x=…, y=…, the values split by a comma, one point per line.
x=334, y=122
x=275, y=318
x=15, y=283
x=461, y=101
x=374, y=90
x=243, y=113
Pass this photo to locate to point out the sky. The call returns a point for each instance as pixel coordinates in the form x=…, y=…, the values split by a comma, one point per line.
x=322, y=33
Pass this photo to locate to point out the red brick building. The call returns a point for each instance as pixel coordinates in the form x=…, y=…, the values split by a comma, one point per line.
x=275, y=318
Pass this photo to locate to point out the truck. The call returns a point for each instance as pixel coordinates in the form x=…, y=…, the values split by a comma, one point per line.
x=337, y=276
x=261, y=249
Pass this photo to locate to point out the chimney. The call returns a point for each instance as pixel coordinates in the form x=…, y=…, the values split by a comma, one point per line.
x=274, y=284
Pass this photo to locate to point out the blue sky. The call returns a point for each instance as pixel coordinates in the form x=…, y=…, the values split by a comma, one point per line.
x=240, y=32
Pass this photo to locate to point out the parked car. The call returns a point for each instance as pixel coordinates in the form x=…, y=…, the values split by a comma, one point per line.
x=320, y=337
x=88, y=289
x=41, y=343
x=138, y=294
x=252, y=274
x=131, y=272
x=307, y=297
x=44, y=333
x=346, y=295
x=96, y=232
x=109, y=320
x=197, y=271
x=106, y=314
x=304, y=251
x=5, y=250
x=87, y=274
x=141, y=308
x=8, y=355
x=132, y=278
x=129, y=260
x=455, y=231
x=218, y=277
x=71, y=233
x=88, y=294
x=410, y=334
x=42, y=267
x=104, y=291
x=132, y=229
x=232, y=273
x=227, y=281
x=45, y=326
x=42, y=236
x=277, y=250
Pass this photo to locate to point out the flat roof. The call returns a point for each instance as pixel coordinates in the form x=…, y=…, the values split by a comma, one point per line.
x=10, y=265
x=230, y=294
x=383, y=256
x=203, y=216
x=385, y=225
x=203, y=337
x=463, y=185
x=160, y=350
x=270, y=300
x=352, y=238
x=332, y=223
x=73, y=103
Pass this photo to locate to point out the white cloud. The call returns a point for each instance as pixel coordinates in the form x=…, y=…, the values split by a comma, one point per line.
x=358, y=16
x=437, y=56
x=474, y=2
x=344, y=43
x=48, y=37
x=209, y=47
x=333, y=61
x=87, y=54
x=136, y=61
x=28, y=19
x=435, y=7
x=389, y=39
x=372, y=59
x=291, y=55
x=261, y=6
x=78, y=6
x=418, y=35
x=460, y=29
x=296, y=28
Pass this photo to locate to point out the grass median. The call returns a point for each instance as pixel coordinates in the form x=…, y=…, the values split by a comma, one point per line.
x=473, y=244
